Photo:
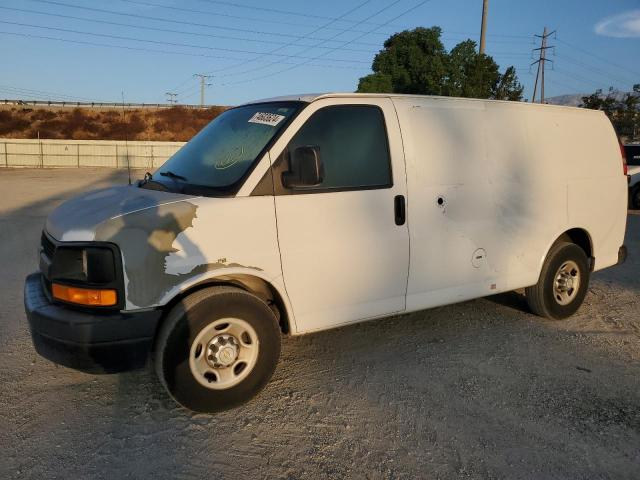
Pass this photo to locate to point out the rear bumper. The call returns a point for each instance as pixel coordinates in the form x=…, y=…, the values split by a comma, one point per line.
x=90, y=342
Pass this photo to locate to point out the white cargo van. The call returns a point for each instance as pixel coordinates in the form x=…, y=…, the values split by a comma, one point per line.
x=303, y=213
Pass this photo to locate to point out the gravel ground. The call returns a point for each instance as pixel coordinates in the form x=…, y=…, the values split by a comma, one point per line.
x=481, y=389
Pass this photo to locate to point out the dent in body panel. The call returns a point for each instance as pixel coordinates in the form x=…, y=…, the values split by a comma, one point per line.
x=147, y=240
x=77, y=218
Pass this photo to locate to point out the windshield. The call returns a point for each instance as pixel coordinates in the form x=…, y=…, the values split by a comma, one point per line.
x=224, y=151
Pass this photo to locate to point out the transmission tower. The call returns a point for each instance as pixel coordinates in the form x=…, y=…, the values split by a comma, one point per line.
x=541, y=62
x=203, y=84
x=172, y=97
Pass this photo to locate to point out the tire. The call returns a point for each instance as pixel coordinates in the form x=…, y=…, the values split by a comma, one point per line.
x=564, y=263
x=194, y=352
x=634, y=197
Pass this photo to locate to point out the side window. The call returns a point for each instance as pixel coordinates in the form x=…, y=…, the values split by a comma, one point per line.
x=353, y=146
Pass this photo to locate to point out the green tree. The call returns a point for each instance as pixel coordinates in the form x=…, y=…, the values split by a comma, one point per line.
x=508, y=87
x=622, y=109
x=415, y=61
x=470, y=74
x=376, y=83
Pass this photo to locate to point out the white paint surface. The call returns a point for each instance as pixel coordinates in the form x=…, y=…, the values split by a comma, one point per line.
x=511, y=177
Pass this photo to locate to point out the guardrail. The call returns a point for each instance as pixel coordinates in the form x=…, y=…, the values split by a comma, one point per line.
x=85, y=153
x=51, y=103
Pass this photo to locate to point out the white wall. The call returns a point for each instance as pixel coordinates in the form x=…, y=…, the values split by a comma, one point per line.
x=85, y=153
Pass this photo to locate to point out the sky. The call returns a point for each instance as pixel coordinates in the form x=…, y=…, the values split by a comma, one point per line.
x=140, y=49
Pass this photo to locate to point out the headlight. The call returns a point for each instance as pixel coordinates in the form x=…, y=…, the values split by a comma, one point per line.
x=91, y=265
x=84, y=275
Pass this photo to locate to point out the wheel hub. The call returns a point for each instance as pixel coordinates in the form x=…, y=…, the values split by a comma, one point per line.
x=222, y=351
x=567, y=283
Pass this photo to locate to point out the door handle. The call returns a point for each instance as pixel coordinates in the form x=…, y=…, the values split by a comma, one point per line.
x=399, y=209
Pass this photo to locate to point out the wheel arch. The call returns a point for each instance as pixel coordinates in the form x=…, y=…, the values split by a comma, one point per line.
x=577, y=235
x=268, y=291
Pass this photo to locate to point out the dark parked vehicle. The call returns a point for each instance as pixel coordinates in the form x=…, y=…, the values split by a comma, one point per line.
x=632, y=153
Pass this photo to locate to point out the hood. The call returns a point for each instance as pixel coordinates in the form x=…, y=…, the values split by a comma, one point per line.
x=79, y=218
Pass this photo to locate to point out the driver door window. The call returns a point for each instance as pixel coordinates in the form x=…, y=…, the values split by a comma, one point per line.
x=352, y=141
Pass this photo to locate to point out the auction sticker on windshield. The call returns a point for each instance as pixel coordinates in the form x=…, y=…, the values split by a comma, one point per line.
x=264, y=118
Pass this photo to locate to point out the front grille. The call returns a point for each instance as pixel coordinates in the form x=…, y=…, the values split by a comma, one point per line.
x=47, y=246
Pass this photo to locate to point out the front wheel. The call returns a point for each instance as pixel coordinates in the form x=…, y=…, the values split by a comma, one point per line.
x=217, y=349
x=563, y=282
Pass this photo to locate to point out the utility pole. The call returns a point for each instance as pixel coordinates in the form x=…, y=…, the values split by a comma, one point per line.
x=483, y=28
x=541, y=62
x=203, y=84
x=172, y=97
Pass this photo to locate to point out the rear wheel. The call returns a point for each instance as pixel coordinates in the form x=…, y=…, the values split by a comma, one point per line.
x=217, y=349
x=563, y=282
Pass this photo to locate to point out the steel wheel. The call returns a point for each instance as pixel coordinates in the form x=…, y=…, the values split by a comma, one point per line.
x=567, y=282
x=224, y=353
x=563, y=282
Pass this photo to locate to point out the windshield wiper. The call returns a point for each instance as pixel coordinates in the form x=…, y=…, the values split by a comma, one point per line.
x=174, y=176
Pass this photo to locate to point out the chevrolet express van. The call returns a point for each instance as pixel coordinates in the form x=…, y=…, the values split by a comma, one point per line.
x=299, y=214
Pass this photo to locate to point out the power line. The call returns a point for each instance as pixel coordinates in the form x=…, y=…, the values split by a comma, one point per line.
x=346, y=43
x=158, y=29
x=244, y=30
x=271, y=21
x=501, y=35
x=41, y=93
x=602, y=59
x=216, y=14
x=181, y=84
x=562, y=84
x=301, y=51
x=174, y=44
x=289, y=12
x=238, y=17
x=579, y=78
x=596, y=70
x=172, y=20
x=163, y=52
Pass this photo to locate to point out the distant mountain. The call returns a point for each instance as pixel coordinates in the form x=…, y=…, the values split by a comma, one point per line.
x=575, y=99
x=570, y=100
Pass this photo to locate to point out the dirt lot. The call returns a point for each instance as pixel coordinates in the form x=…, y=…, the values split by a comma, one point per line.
x=480, y=389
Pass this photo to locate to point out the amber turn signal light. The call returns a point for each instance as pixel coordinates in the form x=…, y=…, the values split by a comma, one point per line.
x=84, y=296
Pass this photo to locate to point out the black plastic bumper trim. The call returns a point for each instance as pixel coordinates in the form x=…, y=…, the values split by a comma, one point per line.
x=99, y=343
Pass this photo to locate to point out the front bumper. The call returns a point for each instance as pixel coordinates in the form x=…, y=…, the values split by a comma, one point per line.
x=91, y=342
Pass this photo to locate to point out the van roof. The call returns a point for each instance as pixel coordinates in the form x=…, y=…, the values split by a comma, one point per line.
x=311, y=97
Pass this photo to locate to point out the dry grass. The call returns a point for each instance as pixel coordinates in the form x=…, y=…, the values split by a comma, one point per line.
x=162, y=124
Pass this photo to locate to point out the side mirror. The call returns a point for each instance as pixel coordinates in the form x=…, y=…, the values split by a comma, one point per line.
x=305, y=168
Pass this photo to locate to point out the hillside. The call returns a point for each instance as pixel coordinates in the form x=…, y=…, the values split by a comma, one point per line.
x=570, y=100
x=575, y=99
x=160, y=124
